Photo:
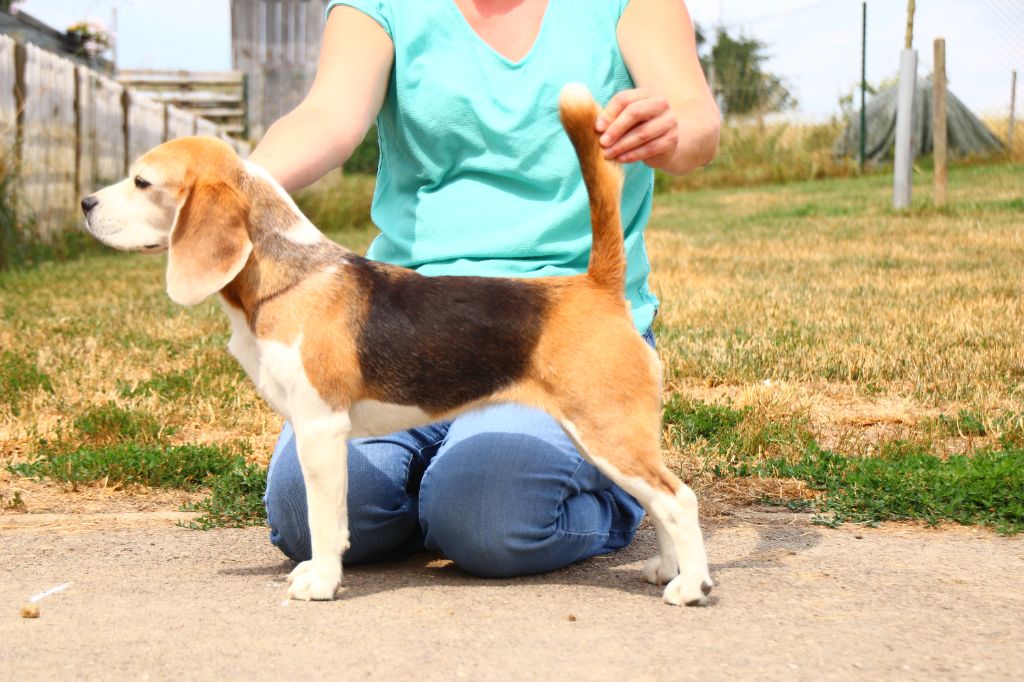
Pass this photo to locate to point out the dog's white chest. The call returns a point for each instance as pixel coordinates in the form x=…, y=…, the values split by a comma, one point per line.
x=276, y=371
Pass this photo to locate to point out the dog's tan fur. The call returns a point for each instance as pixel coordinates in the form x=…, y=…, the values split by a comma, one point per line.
x=301, y=303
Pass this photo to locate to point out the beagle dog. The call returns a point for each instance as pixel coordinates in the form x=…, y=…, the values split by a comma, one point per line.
x=345, y=347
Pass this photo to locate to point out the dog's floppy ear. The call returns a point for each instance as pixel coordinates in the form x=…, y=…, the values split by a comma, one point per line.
x=209, y=243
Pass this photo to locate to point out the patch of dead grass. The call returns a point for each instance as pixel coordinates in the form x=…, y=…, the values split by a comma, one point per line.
x=809, y=302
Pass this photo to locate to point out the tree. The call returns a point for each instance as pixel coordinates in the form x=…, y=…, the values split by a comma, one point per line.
x=741, y=85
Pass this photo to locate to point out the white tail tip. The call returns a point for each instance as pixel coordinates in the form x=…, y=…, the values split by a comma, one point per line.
x=575, y=93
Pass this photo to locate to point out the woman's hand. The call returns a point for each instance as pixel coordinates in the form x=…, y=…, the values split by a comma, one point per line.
x=638, y=125
x=670, y=121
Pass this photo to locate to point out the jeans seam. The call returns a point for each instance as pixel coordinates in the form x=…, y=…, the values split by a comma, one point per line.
x=561, y=506
x=434, y=444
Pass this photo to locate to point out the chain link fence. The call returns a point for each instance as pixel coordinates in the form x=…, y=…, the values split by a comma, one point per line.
x=814, y=50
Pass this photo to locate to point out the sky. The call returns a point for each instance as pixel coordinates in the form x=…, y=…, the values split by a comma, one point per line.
x=815, y=45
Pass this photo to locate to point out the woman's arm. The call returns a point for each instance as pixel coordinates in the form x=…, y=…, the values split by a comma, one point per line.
x=322, y=131
x=670, y=121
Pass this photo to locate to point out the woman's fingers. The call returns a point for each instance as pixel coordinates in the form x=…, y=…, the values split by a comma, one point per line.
x=637, y=126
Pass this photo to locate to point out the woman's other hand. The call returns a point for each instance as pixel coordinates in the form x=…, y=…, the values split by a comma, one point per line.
x=638, y=125
x=670, y=120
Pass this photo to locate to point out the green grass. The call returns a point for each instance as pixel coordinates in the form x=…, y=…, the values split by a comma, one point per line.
x=723, y=432
x=218, y=375
x=236, y=498
x=236, y=486
x=903, y=481
x=111, y=423
x=18, y=377
x=125, y=464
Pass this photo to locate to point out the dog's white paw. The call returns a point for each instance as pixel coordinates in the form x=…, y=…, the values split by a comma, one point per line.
x=689, y=590
x=311, y=581
x=660, y=570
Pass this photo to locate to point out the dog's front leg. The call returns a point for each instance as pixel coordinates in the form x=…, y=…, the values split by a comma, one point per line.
x=323, y=456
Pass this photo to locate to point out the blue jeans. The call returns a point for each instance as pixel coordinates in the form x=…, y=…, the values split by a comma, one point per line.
x=500, y=491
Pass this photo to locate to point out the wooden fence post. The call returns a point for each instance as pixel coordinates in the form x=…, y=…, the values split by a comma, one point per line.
x=1013, y=113
x=19, y=100
x=126, y=104
x=79, y=189
x=939, y=121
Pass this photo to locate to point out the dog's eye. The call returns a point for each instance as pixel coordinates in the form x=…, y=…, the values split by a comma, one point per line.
x=140, y=183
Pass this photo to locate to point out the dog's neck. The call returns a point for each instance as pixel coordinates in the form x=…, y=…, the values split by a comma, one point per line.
x=286, y=247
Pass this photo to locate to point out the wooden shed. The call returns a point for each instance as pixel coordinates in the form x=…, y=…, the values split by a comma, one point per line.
x=276, y=44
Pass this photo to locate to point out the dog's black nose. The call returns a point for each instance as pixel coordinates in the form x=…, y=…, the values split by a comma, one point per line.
x=89, y=203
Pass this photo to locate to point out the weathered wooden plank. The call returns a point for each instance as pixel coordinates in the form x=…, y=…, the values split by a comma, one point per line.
x=224, y=112
x=8, y=102
x=109, y=155
x=206, y=127
x=180, y=123
x=146, y=121
x=49, y=145
x=143, y=77
x=198, y=98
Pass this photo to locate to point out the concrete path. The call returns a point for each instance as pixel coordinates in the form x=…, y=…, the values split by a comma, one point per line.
x=794, y=601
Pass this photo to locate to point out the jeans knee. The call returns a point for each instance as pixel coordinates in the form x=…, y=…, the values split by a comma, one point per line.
x=471, y=516
x=480, y=543
x=288, y=521
x=382, y=518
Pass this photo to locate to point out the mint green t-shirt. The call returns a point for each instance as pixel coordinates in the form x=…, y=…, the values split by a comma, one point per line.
x=476, y=175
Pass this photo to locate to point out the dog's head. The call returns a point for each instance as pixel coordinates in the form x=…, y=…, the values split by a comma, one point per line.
x=182, y=197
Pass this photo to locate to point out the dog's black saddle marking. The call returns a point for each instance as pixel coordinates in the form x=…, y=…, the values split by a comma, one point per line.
x=441, y=342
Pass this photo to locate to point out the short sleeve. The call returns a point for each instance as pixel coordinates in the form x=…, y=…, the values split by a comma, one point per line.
x=378, y=10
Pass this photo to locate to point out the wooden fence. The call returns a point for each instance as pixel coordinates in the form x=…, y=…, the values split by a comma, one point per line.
x=218, y=96
x=70, y=130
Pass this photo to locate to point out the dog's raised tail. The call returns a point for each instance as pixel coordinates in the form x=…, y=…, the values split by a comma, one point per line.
x=603, y=179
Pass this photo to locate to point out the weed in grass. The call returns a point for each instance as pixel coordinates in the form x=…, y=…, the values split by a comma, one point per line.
x=235, y=501
x=15, y=504
x=722, y=433
x=694, y=420
x=109, y=423
x=966, y=423
x=169, y=386
x=125, y=464
x=215, y=374
x=19, y=376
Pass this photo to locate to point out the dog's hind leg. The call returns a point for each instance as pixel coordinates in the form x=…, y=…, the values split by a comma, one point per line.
x=322, y=451
x=626, y=451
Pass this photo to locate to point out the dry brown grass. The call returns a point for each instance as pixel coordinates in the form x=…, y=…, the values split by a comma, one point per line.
x=102, y=331
x=752, y=154
x=809, y=304
x=865, y=323
x=1001, y=127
